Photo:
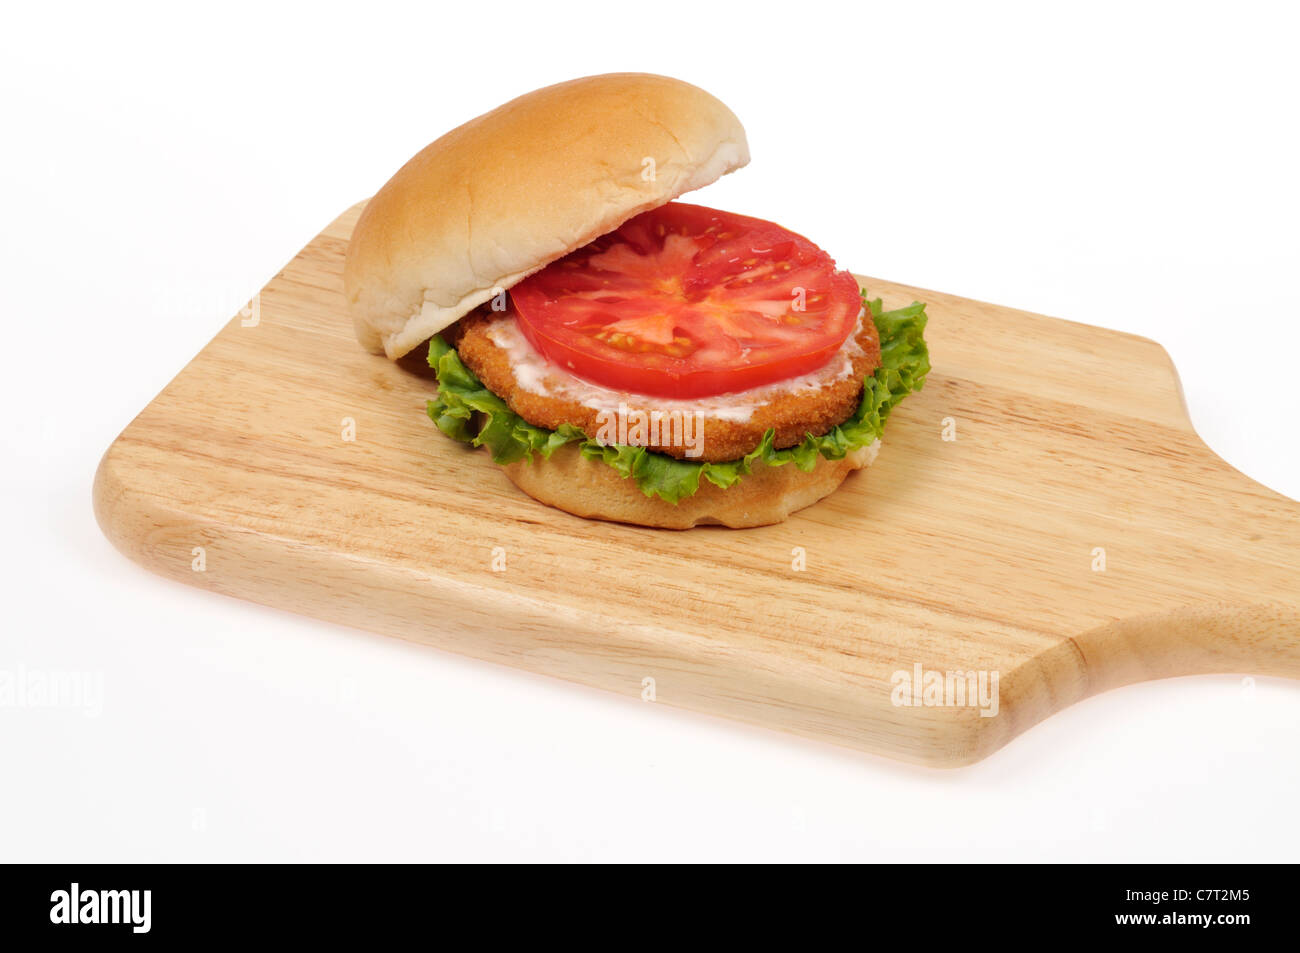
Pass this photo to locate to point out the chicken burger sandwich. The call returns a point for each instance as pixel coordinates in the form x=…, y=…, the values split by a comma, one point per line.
x=625, y=356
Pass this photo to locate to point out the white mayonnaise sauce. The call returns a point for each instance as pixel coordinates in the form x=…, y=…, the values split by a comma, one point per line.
x=535, y=374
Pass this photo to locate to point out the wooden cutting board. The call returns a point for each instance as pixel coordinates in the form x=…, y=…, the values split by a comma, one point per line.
x=1042, y=512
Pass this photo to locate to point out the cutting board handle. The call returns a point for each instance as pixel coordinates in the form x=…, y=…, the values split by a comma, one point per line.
x=1244, y=593
x=1200, y=640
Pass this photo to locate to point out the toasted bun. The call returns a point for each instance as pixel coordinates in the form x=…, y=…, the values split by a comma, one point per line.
x=595, y=490
x=507, y=193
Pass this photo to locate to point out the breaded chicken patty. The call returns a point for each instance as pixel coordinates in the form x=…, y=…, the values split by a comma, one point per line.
x=733, y=424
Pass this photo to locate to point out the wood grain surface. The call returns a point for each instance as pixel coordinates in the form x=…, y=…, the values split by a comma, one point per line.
x=979, y=554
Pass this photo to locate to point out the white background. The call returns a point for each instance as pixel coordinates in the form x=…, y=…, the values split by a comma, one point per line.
x=1131, y=166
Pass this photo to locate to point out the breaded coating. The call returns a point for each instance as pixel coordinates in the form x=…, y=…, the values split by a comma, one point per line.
x=792, y=415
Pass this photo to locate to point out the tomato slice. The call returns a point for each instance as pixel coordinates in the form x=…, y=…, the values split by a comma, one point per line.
x=686, y=301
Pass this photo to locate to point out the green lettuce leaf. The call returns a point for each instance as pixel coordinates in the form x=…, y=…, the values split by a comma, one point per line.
x=467, y=411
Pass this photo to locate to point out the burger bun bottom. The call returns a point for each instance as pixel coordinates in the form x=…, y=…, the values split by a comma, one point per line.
x=595, y=490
